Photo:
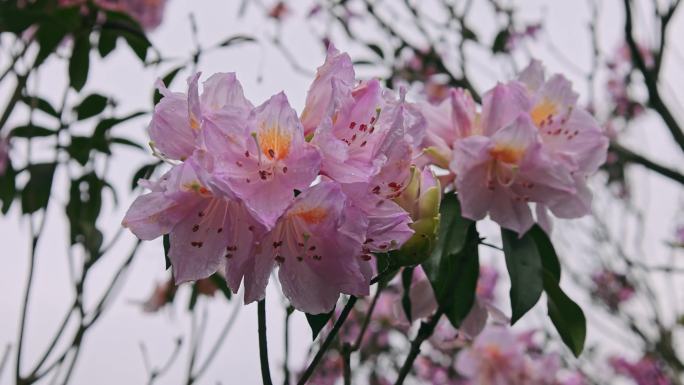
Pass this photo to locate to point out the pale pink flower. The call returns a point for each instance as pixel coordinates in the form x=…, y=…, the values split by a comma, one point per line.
x=645, y=371
x=264, y=158
x=316, y=244
x=178, y=117
x=206, y=230
x=611, y=288
x=500, y=174
x=447, y=122
x=495, y=358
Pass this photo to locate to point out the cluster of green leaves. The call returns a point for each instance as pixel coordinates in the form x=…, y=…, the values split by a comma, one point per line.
x=49, y=24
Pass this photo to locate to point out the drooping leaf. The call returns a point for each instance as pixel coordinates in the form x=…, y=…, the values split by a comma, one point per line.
x=220, y=282
x=525, y=270
x=32, y=131
x=80, y=61
x=125, y=26
x=566, y=315
x=90, y=106
x=36, y=193
x=317, y=322
x=107, y=42
x=406, y=280
x=453, y=266
x=53, y=28
x=8, y=188
x=547, y=252
x=167, y=247
x=83, y=209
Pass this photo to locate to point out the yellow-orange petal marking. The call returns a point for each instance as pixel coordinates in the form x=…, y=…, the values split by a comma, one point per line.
x=274, y=142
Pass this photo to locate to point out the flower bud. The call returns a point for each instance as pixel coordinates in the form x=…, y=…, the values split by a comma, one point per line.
x=421, y=199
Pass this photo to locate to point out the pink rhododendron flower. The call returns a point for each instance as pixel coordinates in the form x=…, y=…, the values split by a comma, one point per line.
x=317, y=247
x=267, y=161
x=495, y=358
x=206, y=231
x=447, y=122
x=645, y=371
x=611, y=288
x=178, y=117
x=534, y=145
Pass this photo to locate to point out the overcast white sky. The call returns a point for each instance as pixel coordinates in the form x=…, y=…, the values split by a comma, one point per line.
x=111, y=351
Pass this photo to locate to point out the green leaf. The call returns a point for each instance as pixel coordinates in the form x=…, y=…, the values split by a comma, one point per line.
x=32, y=131
x=41, y=104
x=453, y=266
x=167, y=247
x=126, y=142
x=90, y=106
x=83, y=209
x=107, y=42
x=406, y=280
x=500, y=41
x=80, y=61
x=143, y=172
x=36, y=193
x=525, y=270
x=220, y=282
x=125, y=26
x=53, y=28
x=8, y=187
x=548, y=254
x=79, y=148
x=237, y=39
x=167, y=79
x=376, y=49
x=317, y=321
x=566, y=315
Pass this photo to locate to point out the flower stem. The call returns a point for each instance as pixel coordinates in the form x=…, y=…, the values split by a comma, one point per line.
x=263, y=345
x=328, y=340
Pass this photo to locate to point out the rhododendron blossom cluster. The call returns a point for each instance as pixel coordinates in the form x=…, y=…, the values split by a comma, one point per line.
x=315, y=195
x=529, y=143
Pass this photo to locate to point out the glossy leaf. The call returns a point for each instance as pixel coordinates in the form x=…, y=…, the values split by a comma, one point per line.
x=453, y=266
x=566, y=315
x=525, y=270
x=406, y=280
